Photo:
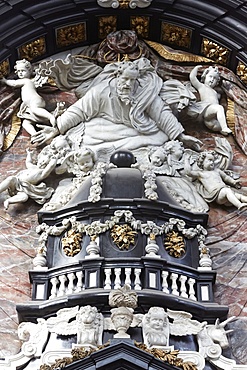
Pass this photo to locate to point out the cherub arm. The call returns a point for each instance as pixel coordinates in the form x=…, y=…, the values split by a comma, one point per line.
x=229, y=180
x=193, y=77
x=188, y=170
x=29, y=159
x=49, y=168
x=13, y=83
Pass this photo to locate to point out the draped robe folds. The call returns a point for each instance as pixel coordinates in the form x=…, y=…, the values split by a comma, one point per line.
x=106, y=121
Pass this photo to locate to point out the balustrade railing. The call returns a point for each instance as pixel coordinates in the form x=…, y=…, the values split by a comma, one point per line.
x=109, y=275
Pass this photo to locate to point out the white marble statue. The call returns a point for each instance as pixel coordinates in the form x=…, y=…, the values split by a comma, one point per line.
x=213, y=183
x=28, y=183
x=208, y=107
x=119, y=111
x=32, y=109
x=155, y=326
x=89, y=324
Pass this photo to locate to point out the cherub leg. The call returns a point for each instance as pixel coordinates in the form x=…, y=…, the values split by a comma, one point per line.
x=20, y=197
x=216, y=110
x=29, y=127
x=235, y=199
x=43, y=113
x=9, y=183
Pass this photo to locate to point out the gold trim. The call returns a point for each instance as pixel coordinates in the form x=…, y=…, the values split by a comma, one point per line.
x=10, y=137
x=178, y=57
x=230, y=115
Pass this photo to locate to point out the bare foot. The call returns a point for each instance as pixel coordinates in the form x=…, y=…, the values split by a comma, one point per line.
x=242, y=207
x=226, y=131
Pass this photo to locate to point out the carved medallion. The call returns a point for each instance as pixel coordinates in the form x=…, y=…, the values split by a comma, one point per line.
x=71, y=243
x=33, y=49
x=212, y=50
x=175, y=245
x=123, y=236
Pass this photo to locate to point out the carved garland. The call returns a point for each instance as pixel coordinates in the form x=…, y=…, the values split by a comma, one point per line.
x=170, y=357
x=97, y=227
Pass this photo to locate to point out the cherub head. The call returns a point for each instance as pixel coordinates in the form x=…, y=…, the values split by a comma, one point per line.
x=174, y=149
x=157, y=156
x=206, y=160
x=156, y=318
x=23, y=68
x=211, y=76
x=85, y=159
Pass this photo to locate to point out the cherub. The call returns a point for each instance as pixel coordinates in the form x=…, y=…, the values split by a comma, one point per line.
x=213, y=183
x=156, y=327
x=27, y=183
x=32, y=109
x=212, y=112
x=78, y=162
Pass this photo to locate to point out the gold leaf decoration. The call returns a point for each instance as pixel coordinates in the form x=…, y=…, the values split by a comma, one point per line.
x=4, y=68
x=176, y=35
x=71, y=243
x=171, y=357
x=33, y=49
x=11, y=135
x=107, y=25
x=70, y=35
x=124, y=4
x=175, y=244
x=140, y=25
x=123, y=236
x=174, y=55
x=218, y=53
x=242, y=72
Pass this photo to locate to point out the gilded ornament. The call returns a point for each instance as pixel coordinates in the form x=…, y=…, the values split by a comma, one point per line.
x=175, y=244
x=175, y=35
x=71, y=35
x=4, y=68
x=140, y=25
x=218, y=53
x=170, y=357
x=242, y=72
x=71, y=243
x=107, y=25
x=123, y=236
x=33, y=49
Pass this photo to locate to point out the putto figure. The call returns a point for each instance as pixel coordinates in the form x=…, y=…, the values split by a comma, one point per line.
x=213, y=183
x=32, y=109
x=156, y=328
x=208, y=107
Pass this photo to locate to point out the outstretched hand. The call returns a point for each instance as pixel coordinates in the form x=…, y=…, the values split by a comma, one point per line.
x=45, y=134
x=190, y=142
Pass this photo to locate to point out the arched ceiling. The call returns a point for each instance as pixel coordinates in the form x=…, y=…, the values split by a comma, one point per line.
x=37, y=29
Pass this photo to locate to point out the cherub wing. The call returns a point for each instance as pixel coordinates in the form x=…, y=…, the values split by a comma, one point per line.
x=182, y=323
x=60, y=324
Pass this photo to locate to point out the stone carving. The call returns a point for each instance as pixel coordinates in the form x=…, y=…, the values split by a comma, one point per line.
x=28, y=183
x=213, y=338
x=213, y=183
x=88, y=324
x=123, y=3
x=208, y=107
x=125, y=300
x=141, y=117
x=32, y=110
x=34, y=337
x=155, y=326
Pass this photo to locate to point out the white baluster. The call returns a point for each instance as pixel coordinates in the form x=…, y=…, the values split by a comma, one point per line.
x=127, y=274
x=164, y=282
x=191, y=283
x=137, y=282
x=183, y=280
x=61, y=289
x=117, y=283
x=79, y=275
x=71, y=277
x=107, y=279
x=54, y=283
x=174, y=284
